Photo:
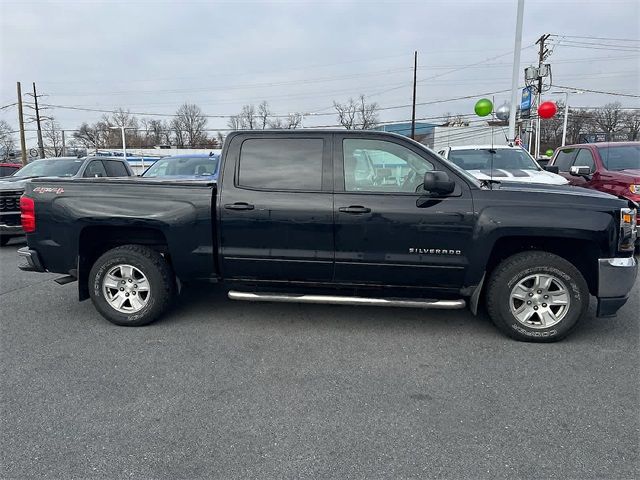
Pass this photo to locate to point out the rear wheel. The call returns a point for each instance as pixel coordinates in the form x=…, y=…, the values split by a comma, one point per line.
x=131, y=285
x=537, y=296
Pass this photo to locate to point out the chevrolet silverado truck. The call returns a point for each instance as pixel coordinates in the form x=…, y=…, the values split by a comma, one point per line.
x=295, y=217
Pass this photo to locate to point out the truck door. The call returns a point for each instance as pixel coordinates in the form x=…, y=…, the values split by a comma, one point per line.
x=276, y=208
x=388, y=232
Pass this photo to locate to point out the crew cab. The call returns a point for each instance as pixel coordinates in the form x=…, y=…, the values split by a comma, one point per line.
x=12, y=187
x=292, y=219
x=607, y=167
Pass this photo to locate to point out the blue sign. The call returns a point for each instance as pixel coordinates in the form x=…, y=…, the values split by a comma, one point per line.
x=525, y=102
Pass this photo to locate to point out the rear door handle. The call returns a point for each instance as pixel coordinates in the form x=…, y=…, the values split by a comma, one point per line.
x=355, y=209
x=239, y=206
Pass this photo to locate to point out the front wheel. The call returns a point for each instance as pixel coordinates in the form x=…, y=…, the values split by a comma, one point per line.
x=131, y=285
x=536, y=296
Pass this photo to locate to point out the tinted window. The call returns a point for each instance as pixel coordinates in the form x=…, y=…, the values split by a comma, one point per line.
x=564, y=159
x=51, y=167
x=624, y=157
x=115, y=168
x=281, y=164
x=584, y=159
x=381, y=166
x=6, y=171
x=95, y=169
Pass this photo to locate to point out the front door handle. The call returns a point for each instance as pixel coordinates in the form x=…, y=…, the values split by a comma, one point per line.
x=355, y=209
x=239, y=206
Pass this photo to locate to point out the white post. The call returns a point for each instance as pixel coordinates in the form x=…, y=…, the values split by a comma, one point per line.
x=566, y=116
x=515, y=71
x=124, y=145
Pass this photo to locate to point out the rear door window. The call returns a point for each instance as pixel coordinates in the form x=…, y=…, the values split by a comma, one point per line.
x=95, y=169
x=281, y=164
x=115, y=168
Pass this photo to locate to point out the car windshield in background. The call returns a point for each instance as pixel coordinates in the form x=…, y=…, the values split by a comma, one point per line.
x=624, y=157
x=183, y=166
x=54, y=167
x=485, y=159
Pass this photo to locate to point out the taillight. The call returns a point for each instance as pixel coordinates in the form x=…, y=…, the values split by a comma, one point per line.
x=27, y=214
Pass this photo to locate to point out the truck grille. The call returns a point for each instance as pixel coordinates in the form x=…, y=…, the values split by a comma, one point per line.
x=10, y=201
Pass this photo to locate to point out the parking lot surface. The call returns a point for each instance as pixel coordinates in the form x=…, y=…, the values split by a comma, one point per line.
x=222, y=389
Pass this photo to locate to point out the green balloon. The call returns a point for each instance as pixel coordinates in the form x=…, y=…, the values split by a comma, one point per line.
x=483, y=107
x=549, y=153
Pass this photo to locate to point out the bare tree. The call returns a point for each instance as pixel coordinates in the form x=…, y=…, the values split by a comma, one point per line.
x=157, y=132
x=97, y=135
x=220, y=139
x=189, y=126
x=248, y=117
x=263, y=114
x=291, y=122
x=235, y=122
x=579, y=120
x=451, y=120
x=7, y=140
x=608, y=118
x=357, y=114
x=52, y=135
x=631, y=123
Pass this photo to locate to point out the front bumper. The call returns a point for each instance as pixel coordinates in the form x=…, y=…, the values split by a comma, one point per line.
x=29, y=260
x=11, y=230
x=616, y=277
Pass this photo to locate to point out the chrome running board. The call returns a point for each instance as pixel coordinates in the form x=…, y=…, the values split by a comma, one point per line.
x=339, y=300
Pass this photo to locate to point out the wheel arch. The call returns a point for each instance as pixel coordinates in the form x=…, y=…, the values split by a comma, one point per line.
x=96, y=240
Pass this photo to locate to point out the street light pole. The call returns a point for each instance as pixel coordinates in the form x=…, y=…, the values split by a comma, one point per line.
x=515, y=71
x=566, y=116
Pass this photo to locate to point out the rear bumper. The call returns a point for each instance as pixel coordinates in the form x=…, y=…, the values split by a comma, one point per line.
x=616, y=277
x=29, y=260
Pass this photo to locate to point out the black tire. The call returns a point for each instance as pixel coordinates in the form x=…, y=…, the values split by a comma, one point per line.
x=4, y=240
x=517, y=268
x=152, y=265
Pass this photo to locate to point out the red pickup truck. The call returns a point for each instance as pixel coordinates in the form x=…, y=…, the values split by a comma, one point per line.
x=608, y=167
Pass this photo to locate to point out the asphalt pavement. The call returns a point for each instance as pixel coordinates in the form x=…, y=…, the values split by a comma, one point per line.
x=224, y=389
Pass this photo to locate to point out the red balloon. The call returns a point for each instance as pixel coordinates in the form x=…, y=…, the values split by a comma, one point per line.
x=547, y=110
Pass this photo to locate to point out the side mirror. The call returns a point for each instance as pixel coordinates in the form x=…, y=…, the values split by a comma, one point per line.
x=438, y=182
x=580, y=171
x=552, y=168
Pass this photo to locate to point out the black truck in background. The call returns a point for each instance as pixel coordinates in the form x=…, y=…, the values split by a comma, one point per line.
x=300, y=216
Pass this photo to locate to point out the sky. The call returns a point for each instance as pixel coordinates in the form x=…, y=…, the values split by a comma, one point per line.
x=300, y=56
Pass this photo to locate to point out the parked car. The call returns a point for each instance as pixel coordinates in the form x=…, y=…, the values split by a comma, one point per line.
x=500, y=162
x=7, y=169
x=11, y=188
x=289, y=220
x=180, y=167
x=607, y=167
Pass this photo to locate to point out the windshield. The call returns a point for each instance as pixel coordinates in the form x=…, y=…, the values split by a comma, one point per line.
x=624, y=157
x=183, y=166
x=51, y=167
x=486, y=158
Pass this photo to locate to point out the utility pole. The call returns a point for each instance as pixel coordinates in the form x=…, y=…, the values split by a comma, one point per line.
x=413, y=109
x=40, y=144
x=515, y=71
x=23, y=145
x=541, y=55
x=63, y=146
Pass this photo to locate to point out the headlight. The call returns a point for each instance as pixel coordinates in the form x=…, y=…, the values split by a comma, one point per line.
x=628, y=230
x=635, y=189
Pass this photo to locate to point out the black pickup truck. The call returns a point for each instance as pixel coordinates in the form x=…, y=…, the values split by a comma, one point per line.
x=300, y=216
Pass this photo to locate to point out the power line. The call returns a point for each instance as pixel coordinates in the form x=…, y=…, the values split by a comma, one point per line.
x=618, y=94
x=598, y=38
